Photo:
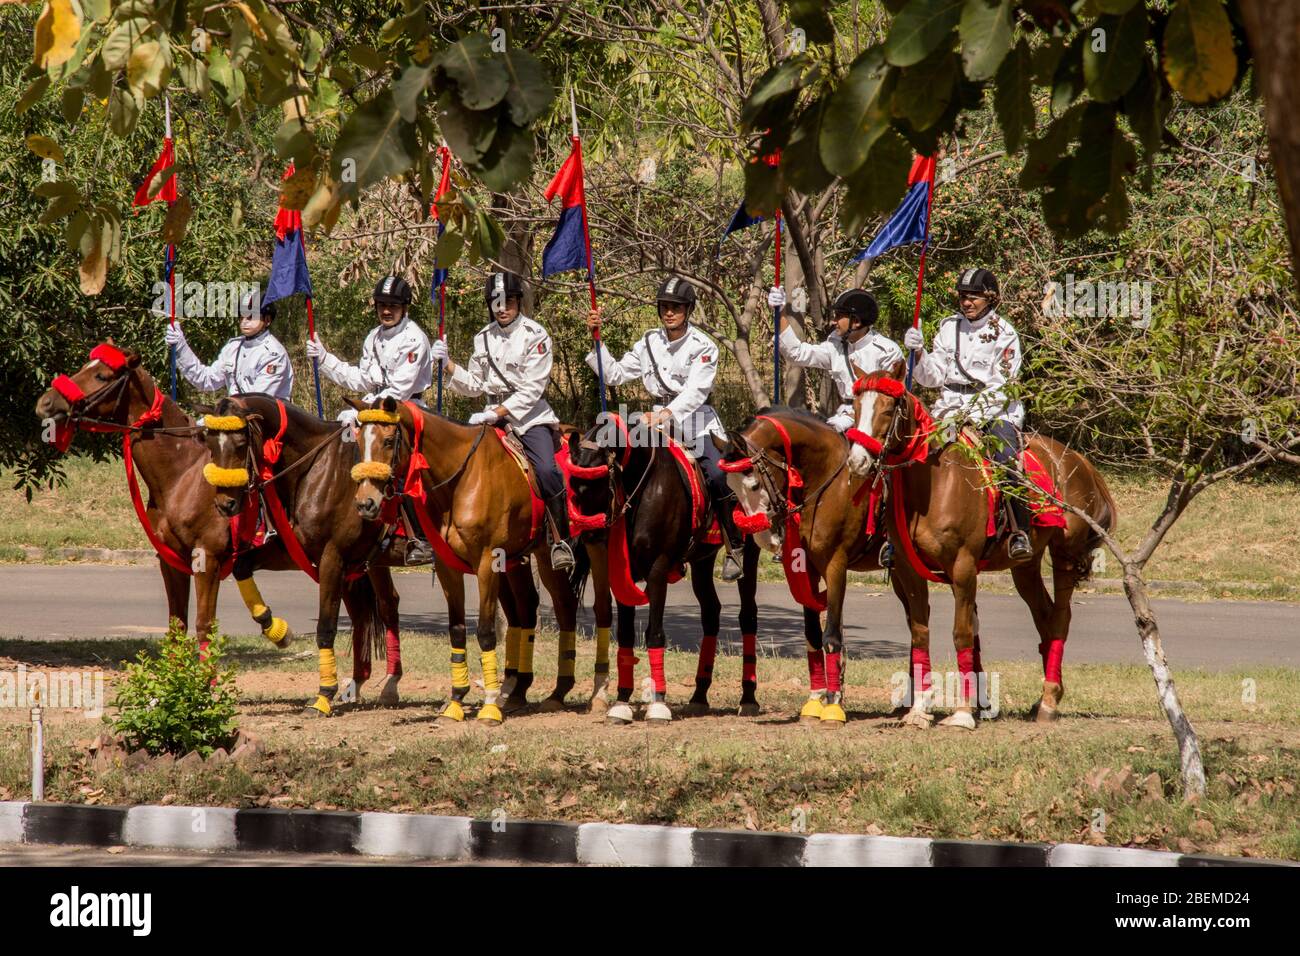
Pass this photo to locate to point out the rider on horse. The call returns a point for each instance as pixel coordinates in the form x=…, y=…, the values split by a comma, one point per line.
x=511, y=364
x=677, y=364
x=976, y=355
x=395, y=363
x=852, y=348
x=253, y=361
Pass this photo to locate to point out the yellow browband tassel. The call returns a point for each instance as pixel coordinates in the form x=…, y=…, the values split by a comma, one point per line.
x=377, y=470
x=225, y=477
x=378, y=415
x=224, y=423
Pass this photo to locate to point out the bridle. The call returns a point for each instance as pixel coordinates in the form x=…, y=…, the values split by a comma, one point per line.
x=116, y=391
x=621, y=501
x=415, y=461
x=780, y=495
x=886, y=453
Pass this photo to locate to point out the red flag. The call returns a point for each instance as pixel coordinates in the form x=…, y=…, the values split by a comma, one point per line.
x=444, y=182
x=168, y=193
x=287, y=220
x=567, y=183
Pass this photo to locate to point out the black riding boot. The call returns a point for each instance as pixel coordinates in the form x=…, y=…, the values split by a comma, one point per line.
x=1018, y=546
x=733, y=542
x=557, y=533
x=418, y=550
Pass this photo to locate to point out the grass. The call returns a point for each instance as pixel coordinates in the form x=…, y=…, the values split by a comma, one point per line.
x=1011, y=779
x=1234, y=534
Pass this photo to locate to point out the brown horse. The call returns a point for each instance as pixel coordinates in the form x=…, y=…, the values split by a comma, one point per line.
x=273, y=455
x=788, y=469
x=113, y=392
x=939, y=521
x=481, y=519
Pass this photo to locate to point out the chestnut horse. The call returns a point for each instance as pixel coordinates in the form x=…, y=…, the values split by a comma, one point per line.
x=474, y=503
x=642, y=519
x=939, y=521
x=272, y=454
x=112, y=392
x=798, y=499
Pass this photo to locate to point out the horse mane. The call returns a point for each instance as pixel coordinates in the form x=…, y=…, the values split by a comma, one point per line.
x=300, y=420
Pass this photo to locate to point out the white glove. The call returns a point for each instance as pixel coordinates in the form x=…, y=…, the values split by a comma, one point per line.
x=914, y=339
x=841, y=423
x=483, y=418
x=173, y=336
x=316, y=349
x=438, y=350
x=776, y=297
x=348, y=417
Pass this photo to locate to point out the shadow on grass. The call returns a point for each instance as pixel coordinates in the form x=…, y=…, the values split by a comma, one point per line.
x=107, y=653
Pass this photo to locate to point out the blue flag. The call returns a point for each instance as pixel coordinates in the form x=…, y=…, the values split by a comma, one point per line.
x=908, y=223
x=741, y=220
x=288, y=269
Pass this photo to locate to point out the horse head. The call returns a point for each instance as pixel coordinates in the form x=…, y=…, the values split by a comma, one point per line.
x=99, y=391
x=749, y=461
x=594, y=471
x=885, y=415
x=231, y=432
x=384, y=431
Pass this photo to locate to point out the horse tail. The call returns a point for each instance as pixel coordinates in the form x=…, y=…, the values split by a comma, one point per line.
x=580, y=571
x=367, y=625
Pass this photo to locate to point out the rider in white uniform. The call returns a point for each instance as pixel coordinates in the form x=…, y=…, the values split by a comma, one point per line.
x=511, y=364
x=253, y=361
x=852, y=347
x=676, y=364
x=976, y=355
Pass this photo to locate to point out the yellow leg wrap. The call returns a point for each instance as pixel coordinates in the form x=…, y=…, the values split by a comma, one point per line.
x=526, y=638
x=453, y=711
x=459, y=669
x=833, y=714
x=602, y=645
x=322, y=703
x=329, y=672
x=813, y=707
x=491, y=678
x=252, y=597
x=568, y=652
x=512, y=648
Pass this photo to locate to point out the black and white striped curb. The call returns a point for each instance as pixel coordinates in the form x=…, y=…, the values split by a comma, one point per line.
x=417, y=836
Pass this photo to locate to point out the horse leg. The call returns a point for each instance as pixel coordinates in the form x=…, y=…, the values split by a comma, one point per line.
x=706, y=595
x=1065, y=576
x=621, y=712
x=508, y=608
x=330, y=572
x=206, y=585
x=964, y=585
x=177, y=588
x=453, y=589
x=274, y=629
x=656, y=589
x=519, y=598
x=747, y=587
x=915, y=598
x=387, y=599
x=812, y=635
x=603, y=609
x=837, y=568
x=489, y=586
x=565, y=604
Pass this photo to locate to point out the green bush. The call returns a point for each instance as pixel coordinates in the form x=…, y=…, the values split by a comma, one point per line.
x=173, y=702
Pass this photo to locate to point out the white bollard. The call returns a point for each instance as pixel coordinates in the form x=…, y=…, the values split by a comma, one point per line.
x=38, y=754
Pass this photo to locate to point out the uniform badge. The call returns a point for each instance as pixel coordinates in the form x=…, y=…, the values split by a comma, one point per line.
x=705, y=358
x=410, y=356
x=1005, y=361
x=270, y=369
x=541, y=348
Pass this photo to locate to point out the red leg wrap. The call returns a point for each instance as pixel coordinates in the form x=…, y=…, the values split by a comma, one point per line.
x=656, y=655
x=626, y=664
x=749, y=658
x=1052, y=660
x=708, y=650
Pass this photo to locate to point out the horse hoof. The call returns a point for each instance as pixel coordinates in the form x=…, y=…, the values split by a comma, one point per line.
x=453, y=713
x=551, y=705
x=961, y=719
x=599, y=704
x=919, y=719
x=283, y=642
x=490, y=714
x=833, y=716
x=1045, y=714
x=619, y=715
x=696, y=708
x=812, y=710
x=512, y=705
x=658, y=713
x=320, y=707
x=508, y=685
x=748, y=708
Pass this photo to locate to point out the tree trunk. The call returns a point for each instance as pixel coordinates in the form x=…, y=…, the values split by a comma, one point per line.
x=1273, y=30
x=1189, y=748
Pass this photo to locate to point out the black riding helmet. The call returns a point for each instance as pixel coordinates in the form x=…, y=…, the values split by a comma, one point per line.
x=980, y=281
x=858, y=303
x=393, y=289
x=252, y=297
x=501, y=286
x=677, y=289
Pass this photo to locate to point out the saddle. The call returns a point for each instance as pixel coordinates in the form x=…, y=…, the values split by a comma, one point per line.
x=1044, y=512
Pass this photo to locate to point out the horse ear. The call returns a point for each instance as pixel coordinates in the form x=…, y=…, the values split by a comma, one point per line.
x=201, y=409
x=574, y=439
x=724, y=445
x=566, y=430
x=897, y=370
x=389, y=404
x=355, y=403
x=132, y=358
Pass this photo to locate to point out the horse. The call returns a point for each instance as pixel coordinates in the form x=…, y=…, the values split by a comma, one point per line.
x=641, y=508
x=797, y=498
x=482, y=517
x=272, y=455
x=941, y=513
x=112, y=392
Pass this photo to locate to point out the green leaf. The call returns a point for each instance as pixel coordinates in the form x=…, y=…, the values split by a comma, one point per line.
x=32, y=94
x=45, y=147
x=294, y=141
x=59, y=187
x=510, y=158
x=773, y=93
x=919, y=29
x=801, y=162
x=857, y=113
x=450, y=245
x=1146, y=104
x=985, y=36
x=480, y=75
x=123, y=111
x=366, y=56
x=408, y=87
x=59, y=207
x=879, y=186
x=194, y=74
x=469, y=134
x=1067, y=83
x=763, y=188
x=116, y=50
x=76, y=229
x=812, y=17
x=530, y=92
x=925, y=90
x=1198, y=50
x=147, y=69
x=374, y=144
x=1012, y=99
x=73, y=98
x=1109, y=72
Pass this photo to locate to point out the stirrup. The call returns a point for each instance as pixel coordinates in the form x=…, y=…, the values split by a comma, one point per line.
x=731, y=569
x=417, y=552
x=562, y=556
x=1018, y=546
x=886, y=555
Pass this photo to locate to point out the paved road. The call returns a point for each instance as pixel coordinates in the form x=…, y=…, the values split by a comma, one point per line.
x=55, y=602
x=14, y=854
